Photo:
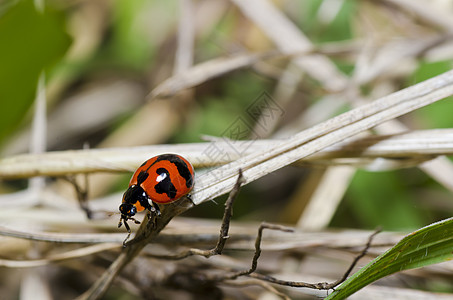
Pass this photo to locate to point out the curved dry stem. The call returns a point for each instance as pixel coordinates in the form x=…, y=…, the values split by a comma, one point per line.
x=150, y=228
x=224, y=229
x=414, y=145
x=89, y=250
x=317, y=286
x=260, y=283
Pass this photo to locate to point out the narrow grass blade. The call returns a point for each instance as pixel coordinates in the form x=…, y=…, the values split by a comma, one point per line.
x=429, y=245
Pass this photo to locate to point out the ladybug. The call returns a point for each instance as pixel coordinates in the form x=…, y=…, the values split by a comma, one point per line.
x=161, y=179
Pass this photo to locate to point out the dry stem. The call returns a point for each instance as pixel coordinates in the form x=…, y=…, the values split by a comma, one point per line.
x=149, y=229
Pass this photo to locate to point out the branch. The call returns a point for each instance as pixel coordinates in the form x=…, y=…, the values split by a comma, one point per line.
x=317, y=286
x=225, y=227
x=148, y=230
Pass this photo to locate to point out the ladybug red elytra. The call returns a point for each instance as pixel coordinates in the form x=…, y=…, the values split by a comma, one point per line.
x=161, y=179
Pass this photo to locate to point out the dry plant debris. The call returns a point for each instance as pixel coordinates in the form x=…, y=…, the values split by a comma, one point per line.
x=376, y=60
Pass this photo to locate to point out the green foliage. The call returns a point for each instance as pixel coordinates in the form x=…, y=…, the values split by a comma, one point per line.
x=437, y=115
x=216, y=114
x=429, y=245
x=32, y=41
x=129, y=44
x=383, y=199
x=337, y=29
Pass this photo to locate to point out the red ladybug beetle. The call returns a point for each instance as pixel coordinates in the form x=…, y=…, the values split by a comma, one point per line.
x=161, y=179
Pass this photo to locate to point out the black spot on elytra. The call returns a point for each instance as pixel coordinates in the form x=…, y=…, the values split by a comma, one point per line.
x=181, y=165
x=165, y=186
x=185, y=173
x=142, y=177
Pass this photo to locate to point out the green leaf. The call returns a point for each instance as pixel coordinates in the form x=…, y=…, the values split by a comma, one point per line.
x=436, y=115
x=429, y=245
x=31, y=41
x=372, y=193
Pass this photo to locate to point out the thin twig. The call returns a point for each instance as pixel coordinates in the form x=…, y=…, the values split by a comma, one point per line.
x=260, y=283
x=150, y=227
x=71, y=254
x=257, y=254
x=81, y=193
x=319, y=285
x=223, y=237
x=356, y=259
x=61, y=237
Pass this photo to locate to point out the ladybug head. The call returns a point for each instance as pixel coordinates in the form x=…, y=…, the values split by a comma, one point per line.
x=127, y=210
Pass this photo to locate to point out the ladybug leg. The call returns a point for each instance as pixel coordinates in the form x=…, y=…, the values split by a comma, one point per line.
x=151, y=206
x=127, y=238
x=155, y=212
x=127, y=228
x=135, y=220
x=125, y=219
x=189, y=196
x=155, y=208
